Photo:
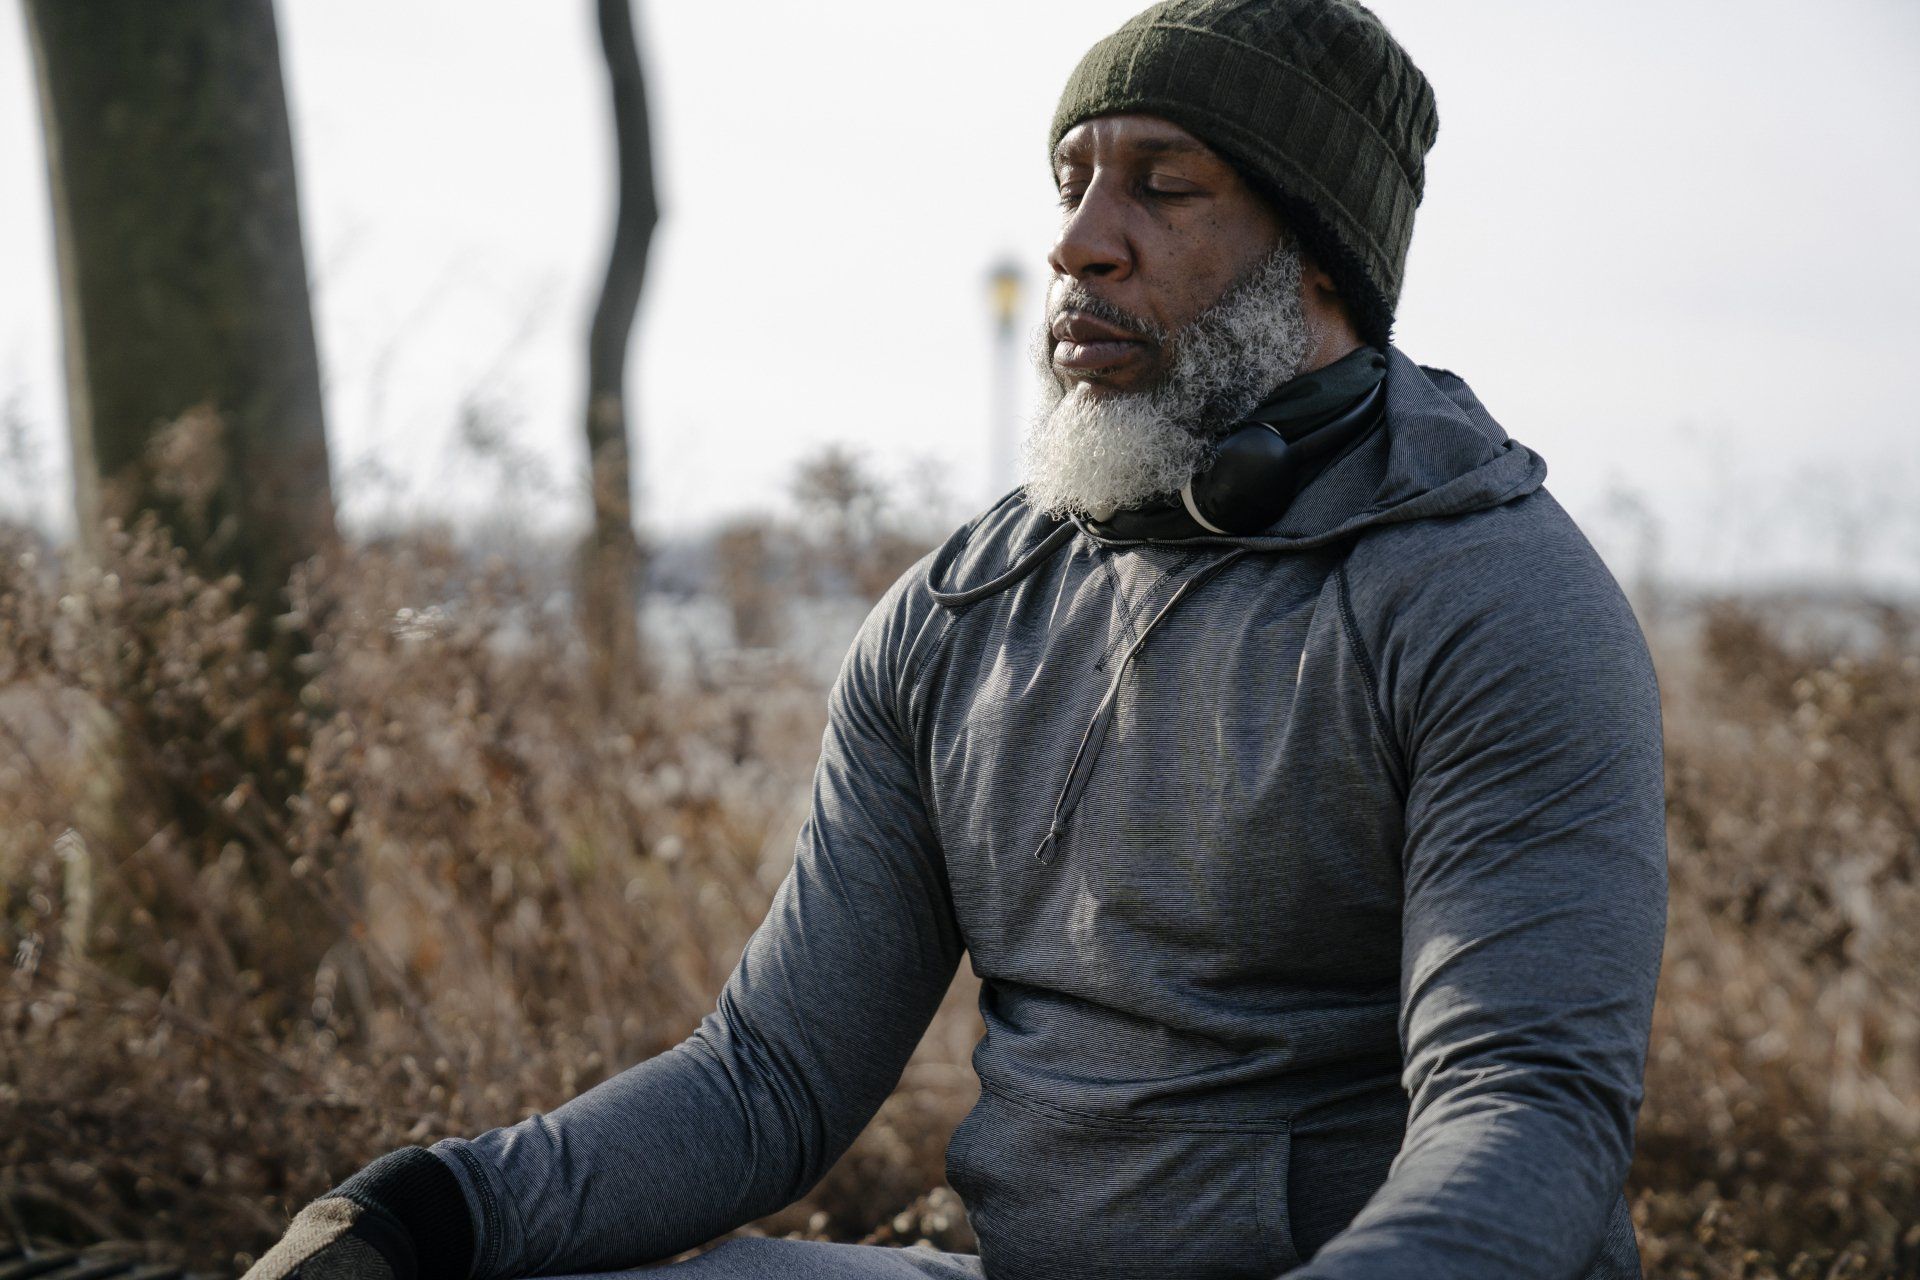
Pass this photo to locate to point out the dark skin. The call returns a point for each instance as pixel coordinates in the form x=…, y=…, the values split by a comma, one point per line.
x=1157, y=225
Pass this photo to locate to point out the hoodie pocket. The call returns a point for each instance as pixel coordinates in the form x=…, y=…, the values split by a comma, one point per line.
x=1059, y=1195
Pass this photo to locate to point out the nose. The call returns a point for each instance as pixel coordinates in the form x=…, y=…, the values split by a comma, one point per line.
x=1092, y=240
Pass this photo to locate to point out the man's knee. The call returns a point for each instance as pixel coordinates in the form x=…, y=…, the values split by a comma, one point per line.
x=758, y=1258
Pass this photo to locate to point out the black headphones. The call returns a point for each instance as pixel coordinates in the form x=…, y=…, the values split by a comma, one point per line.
x=1264, y=462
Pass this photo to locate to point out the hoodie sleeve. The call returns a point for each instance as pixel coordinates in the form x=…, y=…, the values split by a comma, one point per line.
x=1517, y=685
x=810, y=1034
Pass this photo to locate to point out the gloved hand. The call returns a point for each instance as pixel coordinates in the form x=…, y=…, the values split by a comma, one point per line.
x=403, y=1217
x=335, y=1239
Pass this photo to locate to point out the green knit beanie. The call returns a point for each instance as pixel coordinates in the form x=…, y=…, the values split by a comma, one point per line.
x=1311, y=100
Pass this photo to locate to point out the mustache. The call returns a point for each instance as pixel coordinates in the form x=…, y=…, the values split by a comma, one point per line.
x=1072, y=296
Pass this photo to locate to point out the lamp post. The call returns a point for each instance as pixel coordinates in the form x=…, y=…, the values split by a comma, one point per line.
x=1005, y=284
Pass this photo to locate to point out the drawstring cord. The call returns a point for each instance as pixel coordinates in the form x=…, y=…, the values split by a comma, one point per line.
x=1096, y=735
x=1025, y=565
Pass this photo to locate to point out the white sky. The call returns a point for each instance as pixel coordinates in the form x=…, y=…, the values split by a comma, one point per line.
x=1668, y=241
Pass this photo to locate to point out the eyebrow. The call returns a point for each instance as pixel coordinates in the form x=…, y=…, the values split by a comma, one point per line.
x=1150, y=147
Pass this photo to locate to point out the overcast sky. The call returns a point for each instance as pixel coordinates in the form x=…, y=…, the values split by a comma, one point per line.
x=1668, y=242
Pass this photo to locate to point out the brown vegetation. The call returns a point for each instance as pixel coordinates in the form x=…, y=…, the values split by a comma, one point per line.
x=523, y=887
x=1781, y=1134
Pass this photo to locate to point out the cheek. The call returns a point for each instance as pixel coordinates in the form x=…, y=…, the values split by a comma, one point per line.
x=1196, y=264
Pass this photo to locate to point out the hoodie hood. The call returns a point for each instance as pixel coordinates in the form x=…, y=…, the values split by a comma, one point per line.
x=1436, y=452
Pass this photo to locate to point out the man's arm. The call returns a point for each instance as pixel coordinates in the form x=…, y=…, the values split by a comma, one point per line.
x=811, y=1033
x=1520, y=690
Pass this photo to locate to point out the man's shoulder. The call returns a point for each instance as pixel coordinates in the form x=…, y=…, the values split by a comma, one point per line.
x=1523, y=561
x=1527, y=524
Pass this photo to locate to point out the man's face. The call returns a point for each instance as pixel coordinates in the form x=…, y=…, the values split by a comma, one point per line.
x=1155, y=228
x=1177, y=304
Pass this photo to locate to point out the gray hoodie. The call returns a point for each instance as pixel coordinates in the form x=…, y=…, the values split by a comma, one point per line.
x=1316, y=881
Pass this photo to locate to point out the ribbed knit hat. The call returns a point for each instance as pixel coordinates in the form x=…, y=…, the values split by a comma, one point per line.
x=1312, y=100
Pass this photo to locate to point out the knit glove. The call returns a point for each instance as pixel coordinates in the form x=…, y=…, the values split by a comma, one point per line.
x=403, y=1217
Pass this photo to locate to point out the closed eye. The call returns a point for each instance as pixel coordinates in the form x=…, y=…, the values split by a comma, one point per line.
x=1160, y=188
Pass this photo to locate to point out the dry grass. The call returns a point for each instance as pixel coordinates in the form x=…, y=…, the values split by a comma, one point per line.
x=1783, y=1098
x=484, y=890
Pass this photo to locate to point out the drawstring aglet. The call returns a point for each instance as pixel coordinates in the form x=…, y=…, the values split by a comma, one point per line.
x=1049, y=848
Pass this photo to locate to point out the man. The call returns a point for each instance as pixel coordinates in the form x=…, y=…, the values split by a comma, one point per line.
x=1299, y=804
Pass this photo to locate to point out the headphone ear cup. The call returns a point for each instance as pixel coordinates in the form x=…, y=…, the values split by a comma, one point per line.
x=1254, y=476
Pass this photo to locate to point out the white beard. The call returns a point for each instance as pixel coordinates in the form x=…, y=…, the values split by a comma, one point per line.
x=1094, y=452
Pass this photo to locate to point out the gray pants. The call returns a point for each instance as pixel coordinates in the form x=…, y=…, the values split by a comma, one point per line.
x=751, y=1258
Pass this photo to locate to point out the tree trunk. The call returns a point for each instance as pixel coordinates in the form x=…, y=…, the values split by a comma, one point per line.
x=193, y=380
x=193, y=386
x=610, y=560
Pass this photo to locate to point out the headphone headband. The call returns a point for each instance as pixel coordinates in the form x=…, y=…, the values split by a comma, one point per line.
x=1264, y=462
